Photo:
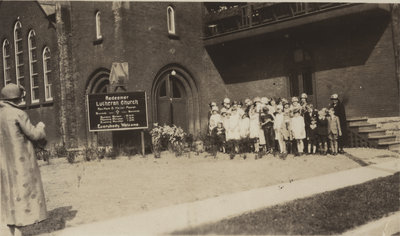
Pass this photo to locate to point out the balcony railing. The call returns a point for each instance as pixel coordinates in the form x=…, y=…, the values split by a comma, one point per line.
x=259, y=14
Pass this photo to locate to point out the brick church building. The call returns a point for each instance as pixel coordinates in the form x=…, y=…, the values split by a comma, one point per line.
x=186, y=54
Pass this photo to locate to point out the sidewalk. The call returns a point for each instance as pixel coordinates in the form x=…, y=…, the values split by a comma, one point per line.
x=168, y=219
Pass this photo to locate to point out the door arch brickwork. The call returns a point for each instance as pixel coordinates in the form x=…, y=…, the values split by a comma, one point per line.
x=175, y=99
x=98, y=82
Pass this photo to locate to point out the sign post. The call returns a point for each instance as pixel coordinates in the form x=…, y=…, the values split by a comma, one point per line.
x=118, y=111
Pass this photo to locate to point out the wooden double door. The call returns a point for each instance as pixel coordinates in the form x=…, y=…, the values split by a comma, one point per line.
x=172, y=102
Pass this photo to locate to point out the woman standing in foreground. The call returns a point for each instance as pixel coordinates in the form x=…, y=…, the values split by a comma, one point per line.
x=22, y=196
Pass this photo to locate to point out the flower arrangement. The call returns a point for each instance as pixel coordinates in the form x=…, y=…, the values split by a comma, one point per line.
x=171, y=137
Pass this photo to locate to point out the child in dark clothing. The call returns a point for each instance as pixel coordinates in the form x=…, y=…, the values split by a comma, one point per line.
x=267, y=124
x=218, y=137
x=312, y=136
x=307, y=121
x=322, y=131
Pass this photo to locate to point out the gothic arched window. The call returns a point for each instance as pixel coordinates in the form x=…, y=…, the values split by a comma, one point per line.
x=33, y=67
x=47, y=75
x=98, y=25
x=171, y=20
x=6, y=62
x=19, y=56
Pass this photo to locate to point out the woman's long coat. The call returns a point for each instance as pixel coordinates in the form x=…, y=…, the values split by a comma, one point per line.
x=22, y=195
x=341, y=113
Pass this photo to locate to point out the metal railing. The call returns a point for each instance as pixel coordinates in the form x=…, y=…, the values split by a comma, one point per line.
x=258, y=14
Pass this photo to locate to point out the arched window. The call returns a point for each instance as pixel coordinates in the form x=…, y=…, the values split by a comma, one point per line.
x=33, y=67
x=19, y=56
x=171, y=20
x=47, y=74
x=98, y=26
x=6, y=62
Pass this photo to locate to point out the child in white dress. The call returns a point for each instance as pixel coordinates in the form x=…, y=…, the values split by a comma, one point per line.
x=214, y=118
x=298, y=130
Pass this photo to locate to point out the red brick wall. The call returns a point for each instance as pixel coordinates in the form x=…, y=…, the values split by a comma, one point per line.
x=352, y=56
x=360, y=51
x=359, y=65
x=144, y=43
x=32, y=17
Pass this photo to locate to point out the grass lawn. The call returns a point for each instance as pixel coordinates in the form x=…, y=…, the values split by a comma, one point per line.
x=327, y=213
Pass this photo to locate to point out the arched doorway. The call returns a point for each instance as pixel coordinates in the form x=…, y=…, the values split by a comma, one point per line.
x=175, y=99
x=172, y=102
x=99, y=83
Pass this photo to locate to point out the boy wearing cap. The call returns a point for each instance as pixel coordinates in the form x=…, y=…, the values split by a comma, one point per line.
x=22, y=197
x=334, y=130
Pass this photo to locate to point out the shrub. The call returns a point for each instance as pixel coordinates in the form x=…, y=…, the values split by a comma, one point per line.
x=60, y=150
x=91, y=153
x=171, y=137
x=111, y=153
x=71, y=156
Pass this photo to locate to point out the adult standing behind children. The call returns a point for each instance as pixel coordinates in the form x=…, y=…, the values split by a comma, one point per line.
x=22, y=195
x=340, y=112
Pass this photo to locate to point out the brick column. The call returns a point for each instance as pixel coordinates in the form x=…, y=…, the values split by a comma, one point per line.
x=67, y=93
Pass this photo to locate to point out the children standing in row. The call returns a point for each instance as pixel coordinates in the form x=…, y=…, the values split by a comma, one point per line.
x=271, y=126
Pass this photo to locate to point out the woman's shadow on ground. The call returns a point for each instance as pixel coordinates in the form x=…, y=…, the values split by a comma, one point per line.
x=56, y=221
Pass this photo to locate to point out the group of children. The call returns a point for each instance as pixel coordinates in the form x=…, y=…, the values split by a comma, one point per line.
x=264, y=125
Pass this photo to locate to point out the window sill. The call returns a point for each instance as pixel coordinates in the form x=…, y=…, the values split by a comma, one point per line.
x=33, y=106
x=47, y=103
x=173, y=36
x=37, y=105
x=98, y=41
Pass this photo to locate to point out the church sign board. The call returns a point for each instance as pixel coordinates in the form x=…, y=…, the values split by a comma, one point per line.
x=117, y=111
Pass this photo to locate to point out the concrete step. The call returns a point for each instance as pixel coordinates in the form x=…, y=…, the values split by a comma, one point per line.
x=362, y=127
x=372, y=132
x=382, y=138
x=389, y=123
x=358, y=123
x=392, y=145
x=393, y=132
x=384, y=119
x=356, y=119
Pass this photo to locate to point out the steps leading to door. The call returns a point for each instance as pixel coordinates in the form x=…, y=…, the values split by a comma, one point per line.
x=381, y=132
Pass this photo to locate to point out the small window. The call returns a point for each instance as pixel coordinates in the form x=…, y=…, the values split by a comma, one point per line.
x=98, y=26
x=47, y=75
x=171, y=20
x=6, y=62
x=33, y=70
